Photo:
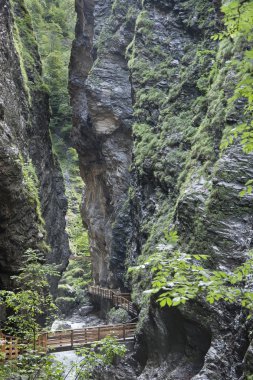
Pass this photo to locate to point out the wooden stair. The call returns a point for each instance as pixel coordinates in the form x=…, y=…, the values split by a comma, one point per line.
x=122, y=300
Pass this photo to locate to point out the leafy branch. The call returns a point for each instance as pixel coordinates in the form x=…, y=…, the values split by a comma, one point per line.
x=178, y=277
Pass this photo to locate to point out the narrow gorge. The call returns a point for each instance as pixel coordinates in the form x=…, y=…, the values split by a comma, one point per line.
x=161, y=97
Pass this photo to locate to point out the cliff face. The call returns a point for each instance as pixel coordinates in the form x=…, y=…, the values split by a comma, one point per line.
x=150, y=89
x=33, y=205
x=102, y=107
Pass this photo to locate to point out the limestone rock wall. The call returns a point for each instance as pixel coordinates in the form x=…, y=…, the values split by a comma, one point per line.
x=150, y=93
x=32, y=201
x=102, y=113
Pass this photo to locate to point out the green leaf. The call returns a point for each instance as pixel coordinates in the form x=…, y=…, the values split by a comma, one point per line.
x=169, y=301
x=163, y=302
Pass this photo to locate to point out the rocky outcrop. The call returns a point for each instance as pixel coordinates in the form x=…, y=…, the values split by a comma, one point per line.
x=33, y=205
x=102, y=114
x=158, y=56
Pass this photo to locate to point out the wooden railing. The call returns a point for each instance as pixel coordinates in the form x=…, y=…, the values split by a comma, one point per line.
x=69, y=339
x=118, y=299
x=9, y=346
x=59, y=340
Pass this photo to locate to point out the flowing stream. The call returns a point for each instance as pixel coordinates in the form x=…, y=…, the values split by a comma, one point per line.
x=68, y=358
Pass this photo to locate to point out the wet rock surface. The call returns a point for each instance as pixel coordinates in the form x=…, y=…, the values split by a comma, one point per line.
x=26, y=152
x=102, y=115
x=124, y=370
x=85, y=310
x=160, y=86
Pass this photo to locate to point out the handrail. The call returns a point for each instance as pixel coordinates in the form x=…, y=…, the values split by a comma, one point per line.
x=90, y=327
x=69, y=339
x=9, y=345
x=118, y=299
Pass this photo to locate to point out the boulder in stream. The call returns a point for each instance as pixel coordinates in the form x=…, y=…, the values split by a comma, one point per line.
x=85, y=310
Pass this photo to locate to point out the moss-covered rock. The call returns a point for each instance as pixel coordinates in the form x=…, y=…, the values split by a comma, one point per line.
x=31, y=190
x=119, y=315
x=66, y=304
x=181, y=80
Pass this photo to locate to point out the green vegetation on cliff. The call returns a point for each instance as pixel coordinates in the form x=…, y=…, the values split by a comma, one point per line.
x=238, y=21
x=173, y=133
x=178, y=276
x=26, y=48
x=54, y=24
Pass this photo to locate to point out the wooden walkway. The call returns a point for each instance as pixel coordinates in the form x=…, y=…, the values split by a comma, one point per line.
x=69, y=339
x=118, y=299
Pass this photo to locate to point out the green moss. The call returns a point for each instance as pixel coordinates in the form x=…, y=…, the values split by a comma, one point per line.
x=65, y=290
x=119, y=6
x=122, y=14
x=144, y=24
x=18, y=47
x=117, y=316
x=180, y=110
x=26, y=48
x=199, y=14
x=78, y=273
x=44, y=247
x=31, y=183
x=66, y=304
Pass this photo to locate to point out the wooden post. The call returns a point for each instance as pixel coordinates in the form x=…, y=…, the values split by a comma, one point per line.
x=72, y=338
x=85, y=335
x=10, y=348
x=44, y=342
x=16, y=349
x=124, y=332
x=98, y=333
x=3, y=344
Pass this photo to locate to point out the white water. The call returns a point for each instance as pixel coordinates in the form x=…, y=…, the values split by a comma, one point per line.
x=77, y=322
x=68, y=358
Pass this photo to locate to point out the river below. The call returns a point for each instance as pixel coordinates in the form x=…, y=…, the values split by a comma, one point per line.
x=69, y=358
